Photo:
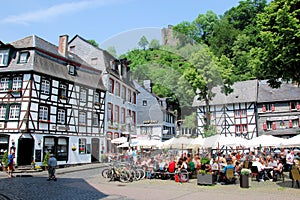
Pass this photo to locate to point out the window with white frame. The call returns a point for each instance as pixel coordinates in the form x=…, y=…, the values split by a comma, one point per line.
x=117, y=89
x=4, y=57
x=17, y=83
x=123, y=93
x=62, y=148
x=4, y=84
x=144, y=102
x=111, y=85
x=128, y=98
x=110, y=112
x=61, y=116
x=96, y=97
x=2, y=111
x=63, y=92
x=240, y=113
x=295, y=122
x=14, y=111
x=95, y=119
x=43, y=113
x=269, y=125
x=82, y=118
x=72, y=70
x=82, y=95
x=45, y=87
x=82, y=145
x=23, y=57
x=116, y=114
x=123, y=115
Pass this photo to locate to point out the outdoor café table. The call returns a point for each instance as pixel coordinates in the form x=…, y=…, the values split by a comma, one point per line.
x=267, y=172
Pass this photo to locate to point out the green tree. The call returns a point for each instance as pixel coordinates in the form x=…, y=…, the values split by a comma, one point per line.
x=245, y=13
x=154, y=44
x=223, y=38
x=185, y=32
x=205, y=74
x=94, y=43
x=277, y=55
x=204, y=26
x=197, y=31
x=143, y=43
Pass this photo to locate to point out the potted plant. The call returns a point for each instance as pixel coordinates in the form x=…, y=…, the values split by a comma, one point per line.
x=244, y=178
x=205, y=178
x=32, y=164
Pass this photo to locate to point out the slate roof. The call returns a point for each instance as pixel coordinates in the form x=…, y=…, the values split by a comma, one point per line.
x=245, y=91
x=105, y=58
x=287, y=92
x=45, y=59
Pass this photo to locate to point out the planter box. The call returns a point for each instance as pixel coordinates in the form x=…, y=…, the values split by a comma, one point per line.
x=244, y=181
x=206, y=179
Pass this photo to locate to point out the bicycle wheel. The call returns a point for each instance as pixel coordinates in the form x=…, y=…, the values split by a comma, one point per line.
x=142, y=173
x=106, y=173
x=124, y=176
x=183, y=175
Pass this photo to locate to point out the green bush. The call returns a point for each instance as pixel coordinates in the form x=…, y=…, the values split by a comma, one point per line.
x=5, y=159
x=46, y=158
x=204, y=161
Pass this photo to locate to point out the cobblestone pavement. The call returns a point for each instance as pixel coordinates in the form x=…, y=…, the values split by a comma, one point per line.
x=85, y=182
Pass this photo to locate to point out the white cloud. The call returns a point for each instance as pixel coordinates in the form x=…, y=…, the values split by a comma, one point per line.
x=55, y=11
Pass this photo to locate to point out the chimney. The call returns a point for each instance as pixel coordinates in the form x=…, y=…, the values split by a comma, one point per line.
x=63, y=45
x=147, y=85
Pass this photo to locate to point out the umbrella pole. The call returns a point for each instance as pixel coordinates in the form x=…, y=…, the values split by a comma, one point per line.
x=182, y=150
x=219, y=158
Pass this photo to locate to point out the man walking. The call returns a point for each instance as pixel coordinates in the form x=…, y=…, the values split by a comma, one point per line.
x=52, y=163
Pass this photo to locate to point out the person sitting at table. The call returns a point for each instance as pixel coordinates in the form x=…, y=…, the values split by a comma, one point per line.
x=260, y=168
x=277, y=170
x=229, y=165
x=184, y=164
x=272, y=162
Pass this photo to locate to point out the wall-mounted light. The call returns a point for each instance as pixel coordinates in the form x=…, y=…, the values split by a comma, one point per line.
x=39, y=142
x=13, y=142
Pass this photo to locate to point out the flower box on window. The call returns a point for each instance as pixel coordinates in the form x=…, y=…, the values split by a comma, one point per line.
x=44, y=121
x=81, y=149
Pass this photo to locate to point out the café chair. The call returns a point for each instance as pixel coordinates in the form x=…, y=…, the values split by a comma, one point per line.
x=254, y=172
x=295, y=176
x=229, y=176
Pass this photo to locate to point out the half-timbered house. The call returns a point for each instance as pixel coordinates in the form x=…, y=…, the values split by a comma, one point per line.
x=234, y=114
x=120, y=104
x=50, y=101
x=278, y=110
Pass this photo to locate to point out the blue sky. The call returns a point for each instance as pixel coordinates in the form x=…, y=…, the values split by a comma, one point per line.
x=117, y=23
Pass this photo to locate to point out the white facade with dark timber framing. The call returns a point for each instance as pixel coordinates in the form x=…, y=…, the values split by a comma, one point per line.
x=50, y=101
x=120, y=104
x=234, y=114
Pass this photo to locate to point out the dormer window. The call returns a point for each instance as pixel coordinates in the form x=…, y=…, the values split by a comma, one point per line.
x=72, y=70
x=23, y=57
x=4, y=57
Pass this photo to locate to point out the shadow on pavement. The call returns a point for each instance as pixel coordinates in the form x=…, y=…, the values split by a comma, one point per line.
x=39, y=188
